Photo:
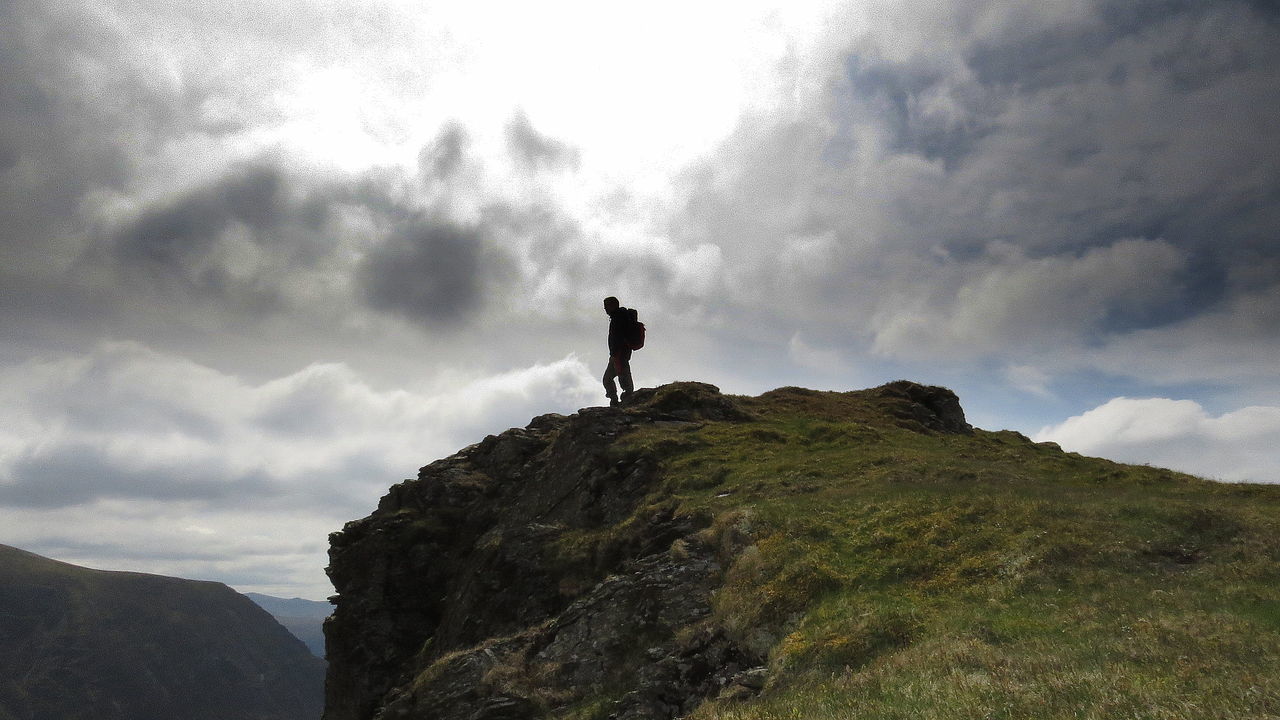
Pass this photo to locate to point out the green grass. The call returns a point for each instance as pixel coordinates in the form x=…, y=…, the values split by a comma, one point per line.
x=899, y=574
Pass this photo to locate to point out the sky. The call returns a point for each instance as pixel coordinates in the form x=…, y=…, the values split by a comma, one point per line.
x=261, y=260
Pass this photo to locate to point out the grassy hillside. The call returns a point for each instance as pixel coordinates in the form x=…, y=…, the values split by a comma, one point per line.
x=901, y=573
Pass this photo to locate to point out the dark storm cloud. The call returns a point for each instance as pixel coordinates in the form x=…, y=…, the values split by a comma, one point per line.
x=183, y=232
x=890, y=93
x=80, y=474
x=81, y=110
x=1192, y=162
x=1065, y=54
x=1057, y=183
x=534, y=151
x=90, y=241
x=430, y=270
x=106, y=228
x=120, y=215
x=55, y=143
x=241, y=238
x=234, y=245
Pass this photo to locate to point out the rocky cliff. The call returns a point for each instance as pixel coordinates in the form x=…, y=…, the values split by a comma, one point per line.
x=802, y=554
x=550, y=570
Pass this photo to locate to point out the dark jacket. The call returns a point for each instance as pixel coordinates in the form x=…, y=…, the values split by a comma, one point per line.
x=619, y=324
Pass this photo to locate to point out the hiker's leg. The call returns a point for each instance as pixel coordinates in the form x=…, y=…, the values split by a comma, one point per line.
x=610, y=390
x=624, y=374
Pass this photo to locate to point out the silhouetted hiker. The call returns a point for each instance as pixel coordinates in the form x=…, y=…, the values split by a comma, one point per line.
x=626, y=333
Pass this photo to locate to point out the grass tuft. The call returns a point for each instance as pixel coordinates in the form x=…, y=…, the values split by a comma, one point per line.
x=890, y=572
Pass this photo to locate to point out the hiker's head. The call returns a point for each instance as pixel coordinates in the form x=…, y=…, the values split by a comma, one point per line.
x=610, y=304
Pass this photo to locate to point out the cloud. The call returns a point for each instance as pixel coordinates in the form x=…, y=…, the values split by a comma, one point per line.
x=228, y=240
x=442, y=157
x=1009, y=184
x=1233, y=342
x=103, y=104
x=1014, y=303
x=534, y=151
x=184, y=229
x=1029, y=379
x=1238, y=445
x=226, y=199
x=1020, y=196
x=92, y=444
x=430, y=270
x=58, y=142
x=76, y=474
x=273, y=552
x=126, y=421
x=815, y=358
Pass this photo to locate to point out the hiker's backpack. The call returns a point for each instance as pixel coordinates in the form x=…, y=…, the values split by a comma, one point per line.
x=635, y=331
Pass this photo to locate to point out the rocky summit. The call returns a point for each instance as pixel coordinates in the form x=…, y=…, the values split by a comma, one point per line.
x=457, y=596
x=798, y=554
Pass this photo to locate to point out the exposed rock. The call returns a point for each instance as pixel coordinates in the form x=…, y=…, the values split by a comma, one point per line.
x=933, y=407
x=689, y=401
x=592, y=644
x=535, y=571
x=481, y=546
x=681, y=679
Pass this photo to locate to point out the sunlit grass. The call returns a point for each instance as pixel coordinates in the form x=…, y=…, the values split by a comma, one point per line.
x=899, y=574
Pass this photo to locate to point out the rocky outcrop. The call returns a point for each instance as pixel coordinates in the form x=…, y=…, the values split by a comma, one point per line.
x=935, y=408
x=539, y=571
x=522, y=556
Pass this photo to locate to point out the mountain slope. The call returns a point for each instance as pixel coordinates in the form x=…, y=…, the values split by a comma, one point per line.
x=81, y=643
x=802, y=555
x=303, y=618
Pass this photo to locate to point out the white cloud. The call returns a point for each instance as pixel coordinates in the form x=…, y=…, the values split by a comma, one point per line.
x=280, y=553
x=1029, y=379
x=1035, y=191
x=1012, y=182
x=221, y=468
x=1241, y=445
x=815, y=358
x=1237, y=341
x=1009, y=302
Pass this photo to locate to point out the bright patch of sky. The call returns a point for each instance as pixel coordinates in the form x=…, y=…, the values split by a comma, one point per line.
x=263, y=259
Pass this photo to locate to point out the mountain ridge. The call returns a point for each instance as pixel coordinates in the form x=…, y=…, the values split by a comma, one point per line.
x=84, y=643
x=799, y=554
x=301, y=617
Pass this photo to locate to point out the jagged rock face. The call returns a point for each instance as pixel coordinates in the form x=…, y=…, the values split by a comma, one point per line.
x=936, y=408
x=457, y=597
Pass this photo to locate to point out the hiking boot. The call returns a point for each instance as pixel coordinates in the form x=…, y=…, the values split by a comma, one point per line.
x=626, y=395
x=615, y=402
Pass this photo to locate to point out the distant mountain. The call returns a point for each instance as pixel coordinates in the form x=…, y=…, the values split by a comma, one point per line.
x=80, y=643
x=303, y=618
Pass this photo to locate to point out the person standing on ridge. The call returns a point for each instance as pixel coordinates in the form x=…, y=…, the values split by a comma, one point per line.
x=621, y=330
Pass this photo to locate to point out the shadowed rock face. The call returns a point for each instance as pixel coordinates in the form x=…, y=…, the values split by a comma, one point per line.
x=81, y=643
x=535, y=570
x=936, y=408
